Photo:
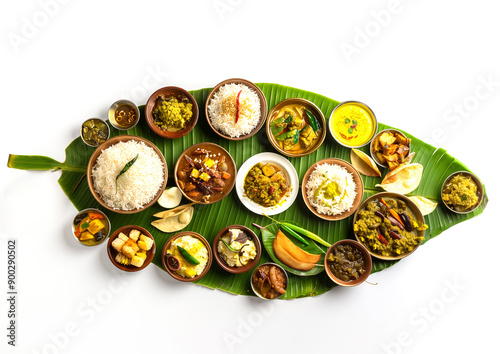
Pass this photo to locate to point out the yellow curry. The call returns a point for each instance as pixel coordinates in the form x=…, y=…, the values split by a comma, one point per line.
x=353, y=124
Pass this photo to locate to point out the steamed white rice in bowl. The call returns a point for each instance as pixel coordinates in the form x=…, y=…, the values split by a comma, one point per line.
x=232, y=100
x=331, y=189
x=136, y=187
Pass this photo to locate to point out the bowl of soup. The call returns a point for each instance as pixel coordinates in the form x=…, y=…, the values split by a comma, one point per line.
x=352, y=124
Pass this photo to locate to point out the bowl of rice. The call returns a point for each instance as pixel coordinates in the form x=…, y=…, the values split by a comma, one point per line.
x=332, y=189
x=200, y=256
x=236, y=109
x=127, y=174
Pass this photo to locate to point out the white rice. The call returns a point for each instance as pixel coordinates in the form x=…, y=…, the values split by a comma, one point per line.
x=331, y=173
x=222, y=110
x=136, y=187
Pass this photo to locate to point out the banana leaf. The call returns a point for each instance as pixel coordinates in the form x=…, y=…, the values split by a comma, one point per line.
x=208, y=220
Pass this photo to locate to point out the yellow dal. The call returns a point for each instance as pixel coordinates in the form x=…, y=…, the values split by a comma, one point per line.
x=365, y=127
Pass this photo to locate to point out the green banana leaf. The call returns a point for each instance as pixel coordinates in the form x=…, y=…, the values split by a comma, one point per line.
x=208, y=220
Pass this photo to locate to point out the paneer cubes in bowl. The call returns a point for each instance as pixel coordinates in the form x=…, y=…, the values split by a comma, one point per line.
x=131, y=248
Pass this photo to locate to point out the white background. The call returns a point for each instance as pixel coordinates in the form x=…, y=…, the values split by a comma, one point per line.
x=427, y=67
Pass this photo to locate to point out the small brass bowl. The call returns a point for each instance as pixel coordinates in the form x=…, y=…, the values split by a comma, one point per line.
x=372, y=152
x=126, y=109
x=479, y=193
x=313, y=109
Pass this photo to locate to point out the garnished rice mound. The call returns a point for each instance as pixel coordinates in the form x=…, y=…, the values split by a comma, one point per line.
x=223, y=109
x=331, y=189
x=138, y=185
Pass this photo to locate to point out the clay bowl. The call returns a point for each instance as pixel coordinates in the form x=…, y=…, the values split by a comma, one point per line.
x=366, y=256
x=173, y=273
x=112, y=252
x=479, y=193
x=110, y=142
x=263, y=107
x=168, y=92
x=357, y=180
x=312, y=108
x=220, y=260
x=214, y=149
x=410, y=205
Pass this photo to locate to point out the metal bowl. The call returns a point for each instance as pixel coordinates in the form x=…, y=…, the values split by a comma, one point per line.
x=114, y=110
x=338, y=135
x=479, y=193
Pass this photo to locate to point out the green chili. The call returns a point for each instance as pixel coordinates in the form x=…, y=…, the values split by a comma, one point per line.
x=187, y=256
x=313, y=121
x=294, y=234
x=125, y=169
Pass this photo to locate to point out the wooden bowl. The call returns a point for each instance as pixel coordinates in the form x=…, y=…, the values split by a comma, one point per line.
x=311, y=107
x=220, y=260
x=372, y=153
x=479, y=193
x=411, y=205
x=112, y=252
x=173, y=273
x=263, y=107
x=357, y=180
x=168, y=92
x=216, y=149
x=366, y=256
x=105, y=145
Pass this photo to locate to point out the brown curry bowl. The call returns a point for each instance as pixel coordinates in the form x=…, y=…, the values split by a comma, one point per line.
x=366, y=256
x=313, y=109
x=110, y=142
x=112, y=252
x=218, y=257
x=174, y=273
x=263, y=107
x=255, y=288
x=357, y=180
x=182, y=177
x=168, y=92
x=479, y=192
x=411, y=205
x=374, y=155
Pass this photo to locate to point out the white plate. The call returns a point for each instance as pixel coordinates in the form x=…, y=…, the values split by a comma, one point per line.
x=285, y=166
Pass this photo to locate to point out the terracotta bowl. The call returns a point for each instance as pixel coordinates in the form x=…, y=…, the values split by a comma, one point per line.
x=357, y=180
x=110, y=142
x=223, y=264
x=372, y=153
x=112, y=252
x=479, y=193
x=263, y=107
x=311, y=107
x=258, y=292
x=216, y=149
x=173, y=273
x=412, y=206
x=366, y=256
x=167, y=92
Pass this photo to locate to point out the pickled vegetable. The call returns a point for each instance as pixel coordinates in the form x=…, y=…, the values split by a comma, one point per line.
x=94, y=132
x=346, y=263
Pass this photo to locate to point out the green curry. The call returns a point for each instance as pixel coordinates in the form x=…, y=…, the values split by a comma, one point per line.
x=265, y=184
